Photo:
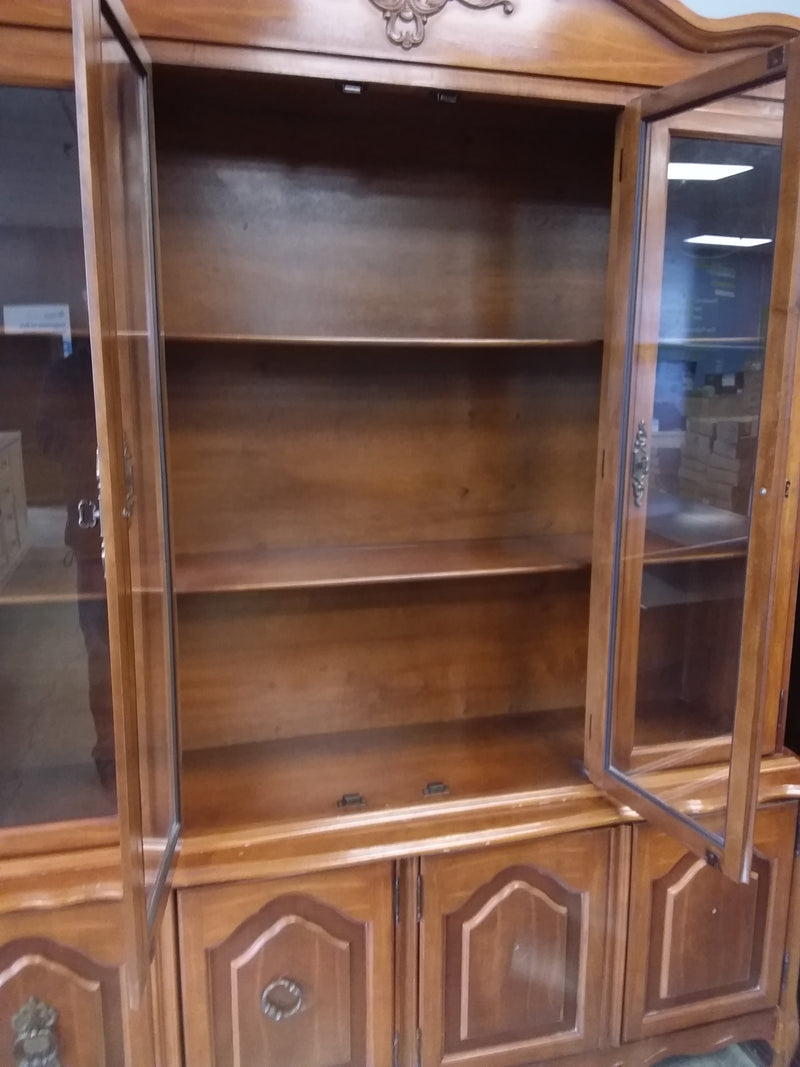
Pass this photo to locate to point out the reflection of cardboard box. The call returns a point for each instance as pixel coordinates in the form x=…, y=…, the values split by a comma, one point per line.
x=14, y=537
x=716, y=407
x=718, y=456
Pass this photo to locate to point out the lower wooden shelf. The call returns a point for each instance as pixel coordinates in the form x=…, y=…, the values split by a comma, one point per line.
x=306, y=778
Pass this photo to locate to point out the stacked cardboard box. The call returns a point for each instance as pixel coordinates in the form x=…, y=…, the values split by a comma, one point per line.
x=718, y=460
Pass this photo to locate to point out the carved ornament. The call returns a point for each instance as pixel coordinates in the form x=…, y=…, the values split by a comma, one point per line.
x=406, y=19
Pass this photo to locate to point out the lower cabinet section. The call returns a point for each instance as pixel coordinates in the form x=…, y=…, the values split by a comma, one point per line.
x=512, y=948
x=60, y=988
x=701, y=947
x=598, y=947
x=297, y=972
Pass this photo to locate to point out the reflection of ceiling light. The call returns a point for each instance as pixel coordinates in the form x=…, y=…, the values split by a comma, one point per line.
x=727, y=242
x=702, y=172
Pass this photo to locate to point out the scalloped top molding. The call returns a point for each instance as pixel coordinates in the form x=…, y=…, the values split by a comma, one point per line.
x=713, y=25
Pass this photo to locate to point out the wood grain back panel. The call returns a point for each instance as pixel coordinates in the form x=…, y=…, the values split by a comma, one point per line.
x=257, y=667
x=279, y=446
x=288, y=207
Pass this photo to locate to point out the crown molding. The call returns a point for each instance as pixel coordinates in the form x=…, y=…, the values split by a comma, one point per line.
x=679, y=24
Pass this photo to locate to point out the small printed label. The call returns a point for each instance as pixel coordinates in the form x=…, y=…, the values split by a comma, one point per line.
x=39, y=318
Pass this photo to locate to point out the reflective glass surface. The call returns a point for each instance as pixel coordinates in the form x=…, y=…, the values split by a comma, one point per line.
x=697, y=371
x=56, y=729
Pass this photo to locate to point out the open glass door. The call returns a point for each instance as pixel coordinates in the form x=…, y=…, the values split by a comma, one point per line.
x=694, y=475
x=118, y=191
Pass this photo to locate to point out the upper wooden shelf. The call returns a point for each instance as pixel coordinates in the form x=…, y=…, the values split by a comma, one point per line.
x=43, y=577
x=713, y=342
x=680, y=531
x=288, y=568
x=313, y=341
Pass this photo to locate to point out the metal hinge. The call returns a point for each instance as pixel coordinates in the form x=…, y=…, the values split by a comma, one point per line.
x=781, y=711
x=419, y=897
x=797, y=839
x=784, y=971
x=396, y=1050
x=419, y=1047
x=396, y=900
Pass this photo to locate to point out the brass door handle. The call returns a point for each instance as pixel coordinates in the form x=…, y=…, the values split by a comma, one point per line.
x=36, y=1042
x=640, y=464
x=282, y=999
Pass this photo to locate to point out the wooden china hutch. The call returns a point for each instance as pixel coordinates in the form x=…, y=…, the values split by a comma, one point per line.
x=399, y=478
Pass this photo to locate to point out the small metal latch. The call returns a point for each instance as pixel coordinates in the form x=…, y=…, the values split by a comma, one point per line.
x=712, y=859
x=350, y=800
x=435, y=789
x=88, y=514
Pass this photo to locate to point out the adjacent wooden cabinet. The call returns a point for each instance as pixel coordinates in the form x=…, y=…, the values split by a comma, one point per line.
x=402, y=410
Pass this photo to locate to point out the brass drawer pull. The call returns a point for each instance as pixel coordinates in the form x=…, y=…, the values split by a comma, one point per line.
x=36, y=1043
x=288, y=1002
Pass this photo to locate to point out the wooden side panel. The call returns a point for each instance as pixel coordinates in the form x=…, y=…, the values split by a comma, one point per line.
x=296, y=972
x=513, y=941
x=68, y=960
x=702, y=947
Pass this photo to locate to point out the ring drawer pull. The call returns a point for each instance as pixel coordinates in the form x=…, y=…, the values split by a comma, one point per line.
x=288, y=1002
x=36, y=1043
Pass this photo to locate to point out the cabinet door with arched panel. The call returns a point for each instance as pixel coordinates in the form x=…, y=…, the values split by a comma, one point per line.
x=514, y=944
x=293, y=971
x=61, y=994
x=702, y=947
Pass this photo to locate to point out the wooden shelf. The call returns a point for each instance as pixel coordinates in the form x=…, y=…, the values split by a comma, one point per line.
x=385, y=342
x=42, y=578
x=374, y=564
x=304, y=778
x=680, y=531
x=712, y=342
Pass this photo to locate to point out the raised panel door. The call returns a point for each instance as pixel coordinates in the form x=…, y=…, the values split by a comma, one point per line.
x=297, y=972
x=512, y=946
x=702, y=947
x=60, y=987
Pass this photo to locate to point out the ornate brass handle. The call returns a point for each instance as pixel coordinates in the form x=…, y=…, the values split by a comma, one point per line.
x=130, y=494
x=640, y=464
x=282, y=999
x=36, y=1043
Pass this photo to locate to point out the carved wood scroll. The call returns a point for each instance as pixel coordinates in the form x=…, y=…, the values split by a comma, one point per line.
x=406, y=19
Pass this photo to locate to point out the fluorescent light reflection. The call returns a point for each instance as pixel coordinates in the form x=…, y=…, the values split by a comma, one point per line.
x=702, y=172
x=727, y=242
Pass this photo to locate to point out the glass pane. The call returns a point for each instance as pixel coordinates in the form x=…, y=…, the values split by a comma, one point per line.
x=125, y=110
x=57, y=751
x=697, y=372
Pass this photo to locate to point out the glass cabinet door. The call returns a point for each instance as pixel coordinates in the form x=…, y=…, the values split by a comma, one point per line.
x=56, y=714
x=703, y=354
x=118, y=187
